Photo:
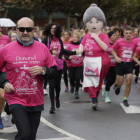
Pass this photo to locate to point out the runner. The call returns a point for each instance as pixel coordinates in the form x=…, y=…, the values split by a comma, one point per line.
x=96, y=61
x=66, y=42
x=123, y=51
x=135, y=34
x=13, y=36
x=118, y=32
x=111, y=75
x=25, y=69
x=4, y=40
x=75, y=64
x=54, y=43
x=136, y=67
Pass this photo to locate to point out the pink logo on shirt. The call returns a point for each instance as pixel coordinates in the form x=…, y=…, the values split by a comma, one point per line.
x=91, y=72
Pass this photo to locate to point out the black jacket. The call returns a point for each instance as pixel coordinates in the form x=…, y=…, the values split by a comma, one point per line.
x=63, y=51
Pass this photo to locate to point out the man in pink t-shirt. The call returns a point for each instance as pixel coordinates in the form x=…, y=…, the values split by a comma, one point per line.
x=26, y=66
x=4, y=40
x=123, y=51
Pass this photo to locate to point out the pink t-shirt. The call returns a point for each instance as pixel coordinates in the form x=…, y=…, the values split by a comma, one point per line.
x=138, y=51
x=77, y=60
x=65, y=44
x=132, y=37
x=91, y=48
x=4, y=40
x=109, y=53
x=55, y=45
x=28, y=89
x=125, y=50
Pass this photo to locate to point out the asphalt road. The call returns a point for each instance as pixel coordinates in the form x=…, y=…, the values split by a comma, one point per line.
x=75, y=120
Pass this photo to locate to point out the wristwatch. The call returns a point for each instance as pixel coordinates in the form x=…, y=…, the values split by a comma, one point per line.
x=44, y=71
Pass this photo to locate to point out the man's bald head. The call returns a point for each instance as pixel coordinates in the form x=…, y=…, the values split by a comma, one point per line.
x=25, y=29
x=22, y=22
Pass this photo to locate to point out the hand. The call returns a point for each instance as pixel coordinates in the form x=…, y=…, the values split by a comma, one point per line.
x=79, y=51
x=35, y=70
x=138, y=64
x=9, y=87
x=93, y=35
x=54, y=52
x=70, y=57
x=118, y=60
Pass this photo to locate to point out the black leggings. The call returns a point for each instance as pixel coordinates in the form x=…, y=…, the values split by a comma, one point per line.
x=136, y=68
x=55, y=84
x=26, y=122
x=45, y=83
x=65, y=74
x=6, y=109
x=110, y=77
x=75, y=75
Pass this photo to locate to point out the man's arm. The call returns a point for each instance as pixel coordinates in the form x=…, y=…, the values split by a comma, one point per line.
x=116, y=57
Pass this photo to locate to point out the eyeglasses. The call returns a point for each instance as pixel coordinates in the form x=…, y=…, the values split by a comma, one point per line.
x=28, y=29
x=13, y=36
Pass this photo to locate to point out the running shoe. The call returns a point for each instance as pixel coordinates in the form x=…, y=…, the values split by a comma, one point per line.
x=66, y=89
x=72, y=89
x=136, y=80
x=52, y=110
x=95, y=107
x=1, y=124
x=125, y=103
x=76, y=95
x=117, y=90
x=57, y=103
x=7, y=117
x=107, y=100
x=45, y=92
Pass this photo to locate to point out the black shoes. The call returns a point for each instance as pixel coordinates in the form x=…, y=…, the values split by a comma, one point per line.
x=52, y=110
x=125, y=103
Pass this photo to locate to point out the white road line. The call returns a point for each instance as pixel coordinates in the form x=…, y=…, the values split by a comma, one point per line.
x=64, y=138
x=70, y=136
x=131, y=109
x=60, y=130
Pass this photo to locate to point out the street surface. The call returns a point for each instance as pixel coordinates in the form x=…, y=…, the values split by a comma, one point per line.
x=75, y=120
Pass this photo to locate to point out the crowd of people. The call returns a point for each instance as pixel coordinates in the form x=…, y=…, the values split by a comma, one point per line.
x=31, y=58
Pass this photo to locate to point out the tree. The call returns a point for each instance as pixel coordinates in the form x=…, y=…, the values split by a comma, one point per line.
x=51, y=6
x=32, y=6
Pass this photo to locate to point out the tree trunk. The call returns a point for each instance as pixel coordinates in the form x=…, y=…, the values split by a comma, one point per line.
x=125, y=21
x=79, y=22
x=67, y=22
x=5, y=13
x=50, y=15
x=32, y=15
x=117, y=22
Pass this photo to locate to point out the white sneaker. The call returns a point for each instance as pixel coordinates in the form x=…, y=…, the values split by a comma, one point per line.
x=7, y=117
x=107, y=100
x=45, y=92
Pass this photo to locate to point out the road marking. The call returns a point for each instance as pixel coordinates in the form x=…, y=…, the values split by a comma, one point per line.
x=131, y=109
x=70, y=136
x=60, y=130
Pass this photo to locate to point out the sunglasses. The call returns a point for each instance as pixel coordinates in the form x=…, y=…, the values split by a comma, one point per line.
x=28, y=29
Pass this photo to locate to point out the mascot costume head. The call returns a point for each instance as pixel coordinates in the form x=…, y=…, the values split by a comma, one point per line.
x=94, y=19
